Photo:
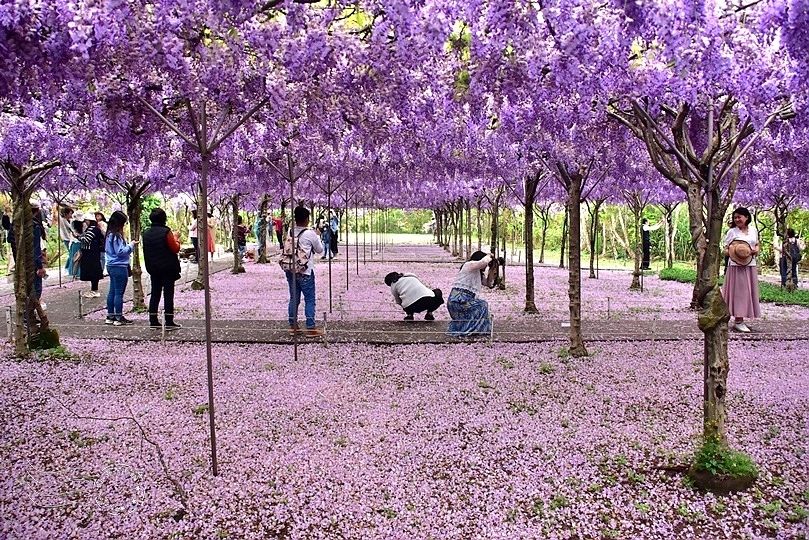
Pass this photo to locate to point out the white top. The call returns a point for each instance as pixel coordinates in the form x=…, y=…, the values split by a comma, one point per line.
x=647, y=227
x=751, y=237
x=192, y=229
x=469, y=277
x=310, y=242
x=65, y=230
x=408, y=289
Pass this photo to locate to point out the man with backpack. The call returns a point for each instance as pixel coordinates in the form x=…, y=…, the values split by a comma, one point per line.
x=794, y=245
x=297, y=260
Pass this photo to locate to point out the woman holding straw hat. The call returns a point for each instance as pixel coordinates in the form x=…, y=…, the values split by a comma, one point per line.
x=741, y=281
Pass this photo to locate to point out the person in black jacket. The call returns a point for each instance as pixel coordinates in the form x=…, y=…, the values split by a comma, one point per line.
x=160, y=249
x=92, y=245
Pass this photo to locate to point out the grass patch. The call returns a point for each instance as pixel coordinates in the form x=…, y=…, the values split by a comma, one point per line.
x=716, y=459
x=768, y=292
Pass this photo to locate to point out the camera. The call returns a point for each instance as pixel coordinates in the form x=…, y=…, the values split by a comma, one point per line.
x=500, y=261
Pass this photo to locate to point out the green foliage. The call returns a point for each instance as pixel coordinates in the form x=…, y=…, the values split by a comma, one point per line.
x=46, y=340
x=717, y=459
x=200, y=409
x=681, y=275
x=58, y=352
x=559, y=501
x=769, y=292
x=149, y=203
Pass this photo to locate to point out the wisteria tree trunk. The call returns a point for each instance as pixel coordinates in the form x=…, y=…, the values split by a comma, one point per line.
x=544, y=212
x=670, y=231
x=573, y=185
x=594, y=208
x=134, y=209
x=479, y=224
x=261, y=239
x=495, y=223
x=636, y=201
x=468, y=227
x=565, y=227
x=702, y=176
x=22, y=182
x=531, y=185
x=781, y=211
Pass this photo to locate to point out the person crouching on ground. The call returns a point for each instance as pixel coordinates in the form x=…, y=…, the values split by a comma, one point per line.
x=118, y=253
x=160, y=249
x=308, y=240
x=470, y=314
x=740, y=290
x=413, y=295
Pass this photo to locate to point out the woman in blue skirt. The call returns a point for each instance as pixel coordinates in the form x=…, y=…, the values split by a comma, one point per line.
x=470, y=314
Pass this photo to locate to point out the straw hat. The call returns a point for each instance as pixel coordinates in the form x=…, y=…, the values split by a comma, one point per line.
x=740, y=252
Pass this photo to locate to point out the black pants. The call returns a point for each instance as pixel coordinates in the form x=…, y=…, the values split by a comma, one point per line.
x=195, y=242
x=162, y=284
x=279, y=235
x=426, y=303
x=647, y=256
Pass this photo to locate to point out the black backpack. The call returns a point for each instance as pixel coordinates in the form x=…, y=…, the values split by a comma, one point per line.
x=795, y=251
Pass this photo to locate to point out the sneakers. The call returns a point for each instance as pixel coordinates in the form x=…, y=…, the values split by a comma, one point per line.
x=92, y=294
x=741, y=327
x=121, y=321
x=429, y=317
x=409, y=317
x=295, y=330
x=109, y=320
x=314, y=332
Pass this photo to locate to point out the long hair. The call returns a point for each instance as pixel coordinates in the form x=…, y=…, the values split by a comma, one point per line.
x=115, y=225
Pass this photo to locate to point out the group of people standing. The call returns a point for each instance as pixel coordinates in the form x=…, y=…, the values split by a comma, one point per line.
x=329, y=234
x=82, y=234
x=160, y=254
x=193, y=234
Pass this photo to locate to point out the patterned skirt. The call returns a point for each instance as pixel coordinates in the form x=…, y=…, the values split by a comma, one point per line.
x=470, y=315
